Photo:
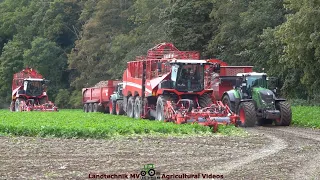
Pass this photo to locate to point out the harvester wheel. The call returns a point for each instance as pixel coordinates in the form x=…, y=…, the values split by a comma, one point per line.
x=90, y=106
x=112, y=107
x=119, y=107
x=226, y=101
x=130, y=107
x=161, y=102
x=95, y=107
x=247, y=114
x=12, y=109
x=137, y=108
x=285, y=113
x=85, y=108
x=17, y=104
x=205, y=100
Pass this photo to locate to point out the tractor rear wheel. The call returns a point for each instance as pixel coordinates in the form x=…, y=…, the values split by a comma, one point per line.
x=205, y=101
x=119, y=107
x=160, y=108
x=130, y=107
x=137, y=108
x=226, y=101
x=285, y=114
x=112, y=107
x=85, y=108
x=247, y=114
x=90, y=107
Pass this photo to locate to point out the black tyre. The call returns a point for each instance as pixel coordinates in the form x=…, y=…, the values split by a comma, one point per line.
x=247, y=114
x=205, y=101
x=151, y=172
x=112, y=107
x=90, y=107
x=17, y=104
x=285, y=114
x=95, y=107
x=12, y=108
x=161, y=102
x=119, y=107
x=137, y=108
x=130, y=107
x=143, y=173
x=226, y=101
x=85, y=108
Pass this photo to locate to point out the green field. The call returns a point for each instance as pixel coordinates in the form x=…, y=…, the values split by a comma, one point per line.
x=306, y=116
x=76, y=124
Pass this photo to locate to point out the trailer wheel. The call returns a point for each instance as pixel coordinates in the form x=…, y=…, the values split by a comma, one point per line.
x=137, y=107
x=205, y=100
x=226, y=101
x=247, y=114
x=112, y=107
x=95, y=107
x=130, y=107
x=285, y=114
x=85, y=108
x=119, y=107
x=90, y=107
x=161, y=102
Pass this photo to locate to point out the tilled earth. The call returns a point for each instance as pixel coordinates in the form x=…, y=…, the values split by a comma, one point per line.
x=267, y=153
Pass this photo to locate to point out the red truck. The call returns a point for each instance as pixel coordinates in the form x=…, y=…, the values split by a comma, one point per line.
x=97, y=99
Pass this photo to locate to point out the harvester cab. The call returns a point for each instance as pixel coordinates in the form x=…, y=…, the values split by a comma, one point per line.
x=255, y=103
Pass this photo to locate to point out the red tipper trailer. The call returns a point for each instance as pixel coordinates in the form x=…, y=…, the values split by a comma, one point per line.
x=96, y=99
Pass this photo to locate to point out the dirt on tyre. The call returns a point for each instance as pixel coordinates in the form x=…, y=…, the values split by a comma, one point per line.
x=247, y=114
x=205, y=100
x=85, y=108
x=285, y=114
x=160, y=108
x=137, y=108
x=95, y=107
x=17, y=103
x=119, y=107
x=130, y=107
x=226, y=101
x=112, y=107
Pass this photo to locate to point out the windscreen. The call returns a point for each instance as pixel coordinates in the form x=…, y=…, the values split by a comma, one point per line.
x=190, y=77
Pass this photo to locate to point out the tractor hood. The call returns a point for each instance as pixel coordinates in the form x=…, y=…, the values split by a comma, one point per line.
x=266, y=95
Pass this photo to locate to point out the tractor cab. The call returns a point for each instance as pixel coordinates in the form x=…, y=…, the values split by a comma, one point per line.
x=247, y=81
x=188, y=75
x=34, y=87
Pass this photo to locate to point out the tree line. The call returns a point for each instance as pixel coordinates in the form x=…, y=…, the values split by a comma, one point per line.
x=77, y=43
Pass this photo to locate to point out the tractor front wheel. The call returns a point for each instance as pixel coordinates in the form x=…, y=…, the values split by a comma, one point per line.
x=285, y=114
x=160, y=108
x=247, y=114
x=130, y=107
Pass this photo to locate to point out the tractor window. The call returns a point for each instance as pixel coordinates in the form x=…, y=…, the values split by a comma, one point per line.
x=190, y=77
x=256, y=81
x=34, y=88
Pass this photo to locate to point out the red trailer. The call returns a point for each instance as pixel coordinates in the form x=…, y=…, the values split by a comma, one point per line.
x=96, y=99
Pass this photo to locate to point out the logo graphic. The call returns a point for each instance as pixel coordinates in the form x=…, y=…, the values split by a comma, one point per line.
x=148, y=168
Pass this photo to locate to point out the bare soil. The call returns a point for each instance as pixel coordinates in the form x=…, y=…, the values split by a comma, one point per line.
x=267, y=153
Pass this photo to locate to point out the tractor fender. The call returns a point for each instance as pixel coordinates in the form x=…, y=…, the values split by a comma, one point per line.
x=279, y=99
x=230, y=94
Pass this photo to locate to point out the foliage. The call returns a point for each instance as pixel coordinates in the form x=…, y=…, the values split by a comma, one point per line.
x=76, y=124
x=77, y=43
x=306, y=116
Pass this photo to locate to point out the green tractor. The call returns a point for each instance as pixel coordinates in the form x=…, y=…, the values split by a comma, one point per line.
x=255, y=103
